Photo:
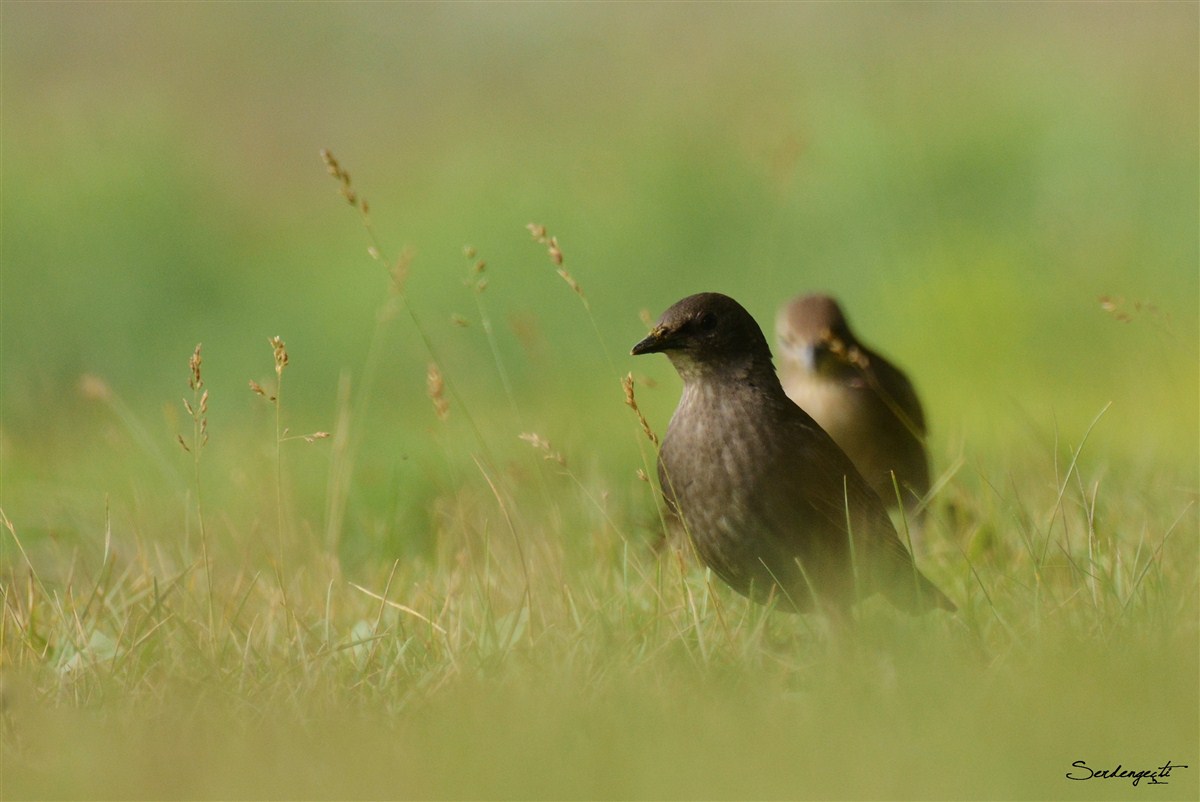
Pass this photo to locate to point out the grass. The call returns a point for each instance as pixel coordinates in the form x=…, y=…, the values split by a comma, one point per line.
x=543, y=647
x=563, y=658
x=461, y=592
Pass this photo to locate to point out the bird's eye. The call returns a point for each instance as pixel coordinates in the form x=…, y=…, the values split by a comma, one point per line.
x=708, y=321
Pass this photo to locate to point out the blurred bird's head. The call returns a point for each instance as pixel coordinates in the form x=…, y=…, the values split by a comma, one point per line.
x=706, y=334
x=812, y=332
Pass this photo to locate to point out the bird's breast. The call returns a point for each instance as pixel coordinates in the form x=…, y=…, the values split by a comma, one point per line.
x=718, y=445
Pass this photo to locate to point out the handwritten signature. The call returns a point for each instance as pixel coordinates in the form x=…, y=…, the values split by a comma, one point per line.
x=1156, y=776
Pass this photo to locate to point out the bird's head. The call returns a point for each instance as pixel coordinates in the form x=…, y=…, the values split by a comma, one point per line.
x=708, y=333
x=812, y=331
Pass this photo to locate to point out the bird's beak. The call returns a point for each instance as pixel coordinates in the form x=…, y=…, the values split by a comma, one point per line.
x=658, y=340
x=809, y=356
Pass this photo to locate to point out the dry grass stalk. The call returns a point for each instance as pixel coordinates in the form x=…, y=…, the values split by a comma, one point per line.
x=631, y=402
x=310, y=438
x=279, y=351
x=398, y=270
x=197, y=408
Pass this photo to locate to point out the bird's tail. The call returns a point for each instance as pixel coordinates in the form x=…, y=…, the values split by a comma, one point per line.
x=916, y=594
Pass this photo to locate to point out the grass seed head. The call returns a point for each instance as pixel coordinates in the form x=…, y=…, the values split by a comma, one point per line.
x=197, y=407
x=281, y=355
x=631, y=402
x=435, y=385
x=343, y=179
x=542, y=444
x=196, y=382
x=541, y=236
x=259, y=390
x=399, y=271
x=475, y=279
x=94, y=388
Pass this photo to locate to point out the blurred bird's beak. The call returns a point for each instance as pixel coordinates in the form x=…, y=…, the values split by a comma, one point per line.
x=809, y=356
x=658, y=340
x=806, y=353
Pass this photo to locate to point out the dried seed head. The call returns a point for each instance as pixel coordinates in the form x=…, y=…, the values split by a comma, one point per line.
x=436, y=387
x=94, y=388
x=1113, y=306
x=399, y=271
x=281, y=355
x=257, y=389
x=542, y=444
x=571, y=282
x=343, y=179
x=196, y=382
x=540, y=235
x=631, y=402
x=474, y=278
x=330, y=163
x=197, y=407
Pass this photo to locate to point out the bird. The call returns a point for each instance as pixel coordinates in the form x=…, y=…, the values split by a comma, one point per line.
x=864, y=402
x=771, y=503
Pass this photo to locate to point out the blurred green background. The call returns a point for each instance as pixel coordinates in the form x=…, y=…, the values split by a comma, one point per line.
x=970, y=179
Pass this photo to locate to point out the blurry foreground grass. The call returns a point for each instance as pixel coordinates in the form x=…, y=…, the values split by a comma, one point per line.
x=544, y=650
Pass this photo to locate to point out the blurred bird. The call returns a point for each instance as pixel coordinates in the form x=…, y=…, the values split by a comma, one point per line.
x=770, y=501
x=865, y=403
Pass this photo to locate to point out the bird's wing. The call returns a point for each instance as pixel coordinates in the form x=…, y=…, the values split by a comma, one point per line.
x=894, y=387
x=824, y=485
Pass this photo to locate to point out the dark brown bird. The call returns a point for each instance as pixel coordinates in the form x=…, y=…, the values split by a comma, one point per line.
x=865, y=403
x=770, y=501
